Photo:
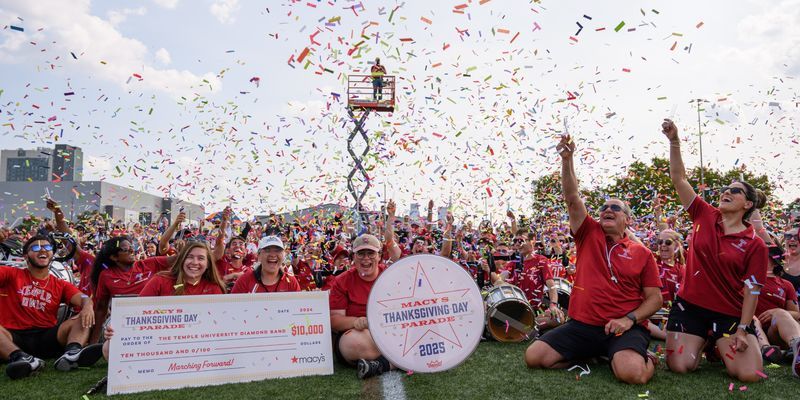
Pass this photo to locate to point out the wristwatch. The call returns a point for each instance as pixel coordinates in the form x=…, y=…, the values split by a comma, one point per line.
x=632, y=317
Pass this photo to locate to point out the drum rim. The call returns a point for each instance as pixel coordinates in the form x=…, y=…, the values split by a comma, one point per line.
x=463, y=271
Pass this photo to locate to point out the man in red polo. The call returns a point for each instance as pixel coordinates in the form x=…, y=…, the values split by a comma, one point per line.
x=348, y=304
x=616, y=288
x=534, y=278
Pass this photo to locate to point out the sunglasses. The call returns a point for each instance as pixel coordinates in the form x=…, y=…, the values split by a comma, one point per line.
x=613, y=207
x=665, y=242
x=38, y=248
x=791, y=236
x=733, y=190
x=519, y=241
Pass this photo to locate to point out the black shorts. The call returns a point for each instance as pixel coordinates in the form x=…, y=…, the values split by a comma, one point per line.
x=685, y=317
x=335, y=337
x=38, y=342
x=577, y=341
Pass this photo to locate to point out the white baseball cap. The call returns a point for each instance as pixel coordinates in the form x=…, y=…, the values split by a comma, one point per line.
x=268, y=241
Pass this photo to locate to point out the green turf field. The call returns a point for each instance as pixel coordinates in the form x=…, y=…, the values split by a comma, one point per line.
x=495, y=371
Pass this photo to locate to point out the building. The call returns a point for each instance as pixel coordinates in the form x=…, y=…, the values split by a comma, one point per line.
x=63, y=163
x=19, y=199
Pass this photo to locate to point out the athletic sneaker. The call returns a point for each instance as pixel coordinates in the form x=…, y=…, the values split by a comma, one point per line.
x=24, y=367
x=368, y=369
x=83, y=357
x=772, y=354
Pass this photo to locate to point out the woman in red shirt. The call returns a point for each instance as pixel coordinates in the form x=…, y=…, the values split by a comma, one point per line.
x=116, y=272
x=192, y=273
x=725, y=270
x=670, y=262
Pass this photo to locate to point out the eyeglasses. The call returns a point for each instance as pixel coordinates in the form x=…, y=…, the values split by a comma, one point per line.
x=366, y=253
x=613, y=207
x=665, y=242
x=38, y=248
x=732, y=189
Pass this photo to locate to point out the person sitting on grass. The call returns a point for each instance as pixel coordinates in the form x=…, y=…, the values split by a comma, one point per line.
x=777, y=314
x=29, y=303
x=192, y=273
x=269, y=275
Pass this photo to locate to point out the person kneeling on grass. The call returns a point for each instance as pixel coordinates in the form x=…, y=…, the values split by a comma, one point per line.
x=353, y=342
x=29, y=302
x=616, y=288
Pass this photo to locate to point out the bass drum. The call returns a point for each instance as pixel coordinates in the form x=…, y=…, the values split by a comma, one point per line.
x=509, y=316
x=564, y=290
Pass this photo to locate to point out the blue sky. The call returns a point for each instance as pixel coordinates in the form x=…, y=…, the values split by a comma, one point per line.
x=214, y=137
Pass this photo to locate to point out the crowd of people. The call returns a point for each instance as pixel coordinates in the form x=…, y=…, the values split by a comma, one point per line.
x=719, y=285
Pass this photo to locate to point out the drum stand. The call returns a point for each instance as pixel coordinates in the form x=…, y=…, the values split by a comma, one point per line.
x=358, y=162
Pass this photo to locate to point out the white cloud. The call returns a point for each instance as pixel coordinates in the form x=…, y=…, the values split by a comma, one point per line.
x=771, y=38
x=105, y=52
x=162, y=56
x=116, y=17
x=167, y=3
x=222, y=10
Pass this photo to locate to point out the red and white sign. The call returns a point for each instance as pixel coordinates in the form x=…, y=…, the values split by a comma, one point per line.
x=425, y=314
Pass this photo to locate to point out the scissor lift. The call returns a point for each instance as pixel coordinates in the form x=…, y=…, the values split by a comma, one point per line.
x=361, y=100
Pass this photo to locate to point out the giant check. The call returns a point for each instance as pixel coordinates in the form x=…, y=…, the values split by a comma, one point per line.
x=180, y=341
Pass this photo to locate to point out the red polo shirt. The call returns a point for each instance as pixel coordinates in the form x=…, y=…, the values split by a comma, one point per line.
x=595, y=298
x=776, y=293
x=718, y=264
x=164, y=285
x=118, y=281
x=225, y=267
x=27, y=302
x=535, y=272
x=671, y=278
x=350, y=292
x=250, y=282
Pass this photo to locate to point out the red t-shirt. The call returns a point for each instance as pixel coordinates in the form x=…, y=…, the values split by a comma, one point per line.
x=671, y=278
x=225, y=267
x=535, y=272
x=27, y=302
x=718, y=264
x=250, y=282
x=776, y=293
x=164, y=285
x=83, y=264
x=117, y=281
x=304, y=275
x=595, y=298
x=350, y=292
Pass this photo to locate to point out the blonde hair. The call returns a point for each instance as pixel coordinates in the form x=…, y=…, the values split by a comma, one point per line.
x=210, y=274
x=678, y=239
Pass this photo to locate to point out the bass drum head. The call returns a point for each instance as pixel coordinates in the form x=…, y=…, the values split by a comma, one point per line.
x=564, y=290
x=510, y=321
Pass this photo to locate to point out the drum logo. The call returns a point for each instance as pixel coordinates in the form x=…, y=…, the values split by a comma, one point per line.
x=425, y=315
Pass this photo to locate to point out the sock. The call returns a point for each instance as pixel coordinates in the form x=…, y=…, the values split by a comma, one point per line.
x=385, y=366
x=793, y=346
x=16, y=355
x=73, y=346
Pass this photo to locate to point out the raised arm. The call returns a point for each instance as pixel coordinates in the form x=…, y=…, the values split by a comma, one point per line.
x=58, y=216
x=677, y=172
x=447, y=240
x=430, y=211
x=388, y=232
x=163, y=242
x=569, y=184
x=219, y=244
x=514, y=226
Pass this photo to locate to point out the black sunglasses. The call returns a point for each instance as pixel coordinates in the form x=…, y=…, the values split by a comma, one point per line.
x=791, y=236
x=613, y=207
x=733, y=190
x=518, y=241
x=37, y=248
x=666, y=242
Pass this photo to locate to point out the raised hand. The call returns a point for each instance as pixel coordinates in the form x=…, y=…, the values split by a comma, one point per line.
x=566, y=147
x=669, y=130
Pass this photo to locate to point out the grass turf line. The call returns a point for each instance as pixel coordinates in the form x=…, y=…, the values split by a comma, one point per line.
x=494, y=371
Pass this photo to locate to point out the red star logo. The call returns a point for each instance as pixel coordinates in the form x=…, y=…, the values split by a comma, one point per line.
x=294, y=360
x=423, y=283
